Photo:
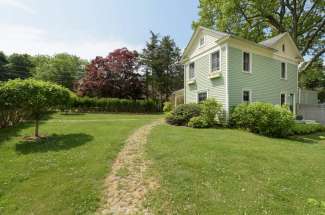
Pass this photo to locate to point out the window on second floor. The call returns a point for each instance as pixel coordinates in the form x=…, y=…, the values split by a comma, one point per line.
x=283, y=71
x=192, y=70
x=246, y=62
x=215, y=61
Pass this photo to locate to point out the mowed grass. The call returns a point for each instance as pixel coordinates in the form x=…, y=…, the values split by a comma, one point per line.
x=65, y=174
x=223, y=171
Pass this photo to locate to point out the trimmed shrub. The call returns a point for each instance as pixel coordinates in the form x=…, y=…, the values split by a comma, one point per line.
x=183, y=113
x=212, y=112
x=302, y=129
x=167, y=107
x=33, y=98
x=86, y=104
x=263, y=118
x=198, y=122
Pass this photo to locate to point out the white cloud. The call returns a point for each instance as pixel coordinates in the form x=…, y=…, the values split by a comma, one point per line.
x=19, y=5
x=31, y=40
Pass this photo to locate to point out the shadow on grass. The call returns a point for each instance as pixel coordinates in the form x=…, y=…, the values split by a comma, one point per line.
x=53, y=143
x=11, y=132
x=310, y=139
x=7, y=133
x=72, y=113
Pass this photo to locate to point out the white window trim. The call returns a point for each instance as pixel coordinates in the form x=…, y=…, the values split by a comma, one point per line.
x=189, y=71
x=285, y=97
x=286, y=71
x=210, y=61
x=201, y=91
x=204, y=41
x=250, y=62
x=250, y=95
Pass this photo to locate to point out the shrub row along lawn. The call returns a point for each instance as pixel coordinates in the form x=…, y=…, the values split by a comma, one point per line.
x=65, y=174
x=223, y=171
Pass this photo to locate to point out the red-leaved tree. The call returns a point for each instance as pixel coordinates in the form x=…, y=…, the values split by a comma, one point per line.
x=114, y=76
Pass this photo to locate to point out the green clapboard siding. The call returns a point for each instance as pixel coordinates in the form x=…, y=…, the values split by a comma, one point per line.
x=264, y=81
x=214, y=87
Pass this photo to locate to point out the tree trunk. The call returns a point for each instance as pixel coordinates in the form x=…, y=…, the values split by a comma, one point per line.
x=36, y=127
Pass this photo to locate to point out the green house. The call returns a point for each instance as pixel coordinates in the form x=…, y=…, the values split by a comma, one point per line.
x=234, y=70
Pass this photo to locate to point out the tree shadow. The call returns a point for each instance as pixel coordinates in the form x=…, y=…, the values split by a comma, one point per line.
x=72, y=113
x=11, y=132
x=310, y=139
x=53, y=143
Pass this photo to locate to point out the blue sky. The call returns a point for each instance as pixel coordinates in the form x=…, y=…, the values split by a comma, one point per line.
x=91, y=27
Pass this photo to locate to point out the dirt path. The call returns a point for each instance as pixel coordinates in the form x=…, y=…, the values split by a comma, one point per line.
x=126, y=185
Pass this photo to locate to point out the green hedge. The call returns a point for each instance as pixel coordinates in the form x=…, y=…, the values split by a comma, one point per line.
x=301, y=129
x=183, y=113
x=263, y=118
x=86, y=104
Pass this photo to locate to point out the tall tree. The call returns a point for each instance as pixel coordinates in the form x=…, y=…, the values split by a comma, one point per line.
x=63, y=69
x=19, y=66
x=313, y=77
x=161, y=57
x=150, y=61
x=114, y=76
x=4, y=74
x=260, y=19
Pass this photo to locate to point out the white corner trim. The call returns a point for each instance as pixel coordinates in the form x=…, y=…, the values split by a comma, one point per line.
x=185, y=86
x=226, y=80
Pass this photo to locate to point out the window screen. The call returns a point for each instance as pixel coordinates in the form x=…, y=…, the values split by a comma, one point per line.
x=283, y=71
x=215, y=61
x=246, y=96
x=192, y=71
x=202, y=96
x=246, y=62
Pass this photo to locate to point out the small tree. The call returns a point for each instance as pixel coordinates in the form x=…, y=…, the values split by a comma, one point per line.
x=34, y=97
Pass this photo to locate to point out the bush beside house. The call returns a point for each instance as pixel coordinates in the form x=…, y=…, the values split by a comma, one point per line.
x=303, y=129
x=206, y=114
x=263, y=118
x=183, y=113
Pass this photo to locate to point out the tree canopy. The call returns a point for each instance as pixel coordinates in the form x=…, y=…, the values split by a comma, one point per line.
x=114, y=76
x=259, y=19
x=63, y=69
x=33, y=97
x=15, y=66
x=164, y=74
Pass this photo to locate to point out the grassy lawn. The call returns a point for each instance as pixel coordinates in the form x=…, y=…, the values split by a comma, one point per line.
x=223, y=171
x=65, y=174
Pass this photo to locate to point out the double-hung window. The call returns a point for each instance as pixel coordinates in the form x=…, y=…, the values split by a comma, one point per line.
x=215, y=61
x=283, y=71
x=283, y=98
x=247, y=62
x=192, y=70
x=247, y=96
x=202, y=96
